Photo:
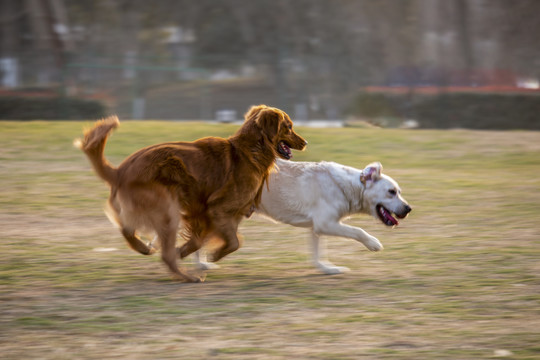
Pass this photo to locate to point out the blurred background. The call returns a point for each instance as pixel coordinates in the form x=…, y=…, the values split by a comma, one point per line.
x=393, y=63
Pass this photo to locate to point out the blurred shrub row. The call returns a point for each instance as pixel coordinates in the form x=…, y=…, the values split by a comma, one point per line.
x=453, y=110
x=47, y=108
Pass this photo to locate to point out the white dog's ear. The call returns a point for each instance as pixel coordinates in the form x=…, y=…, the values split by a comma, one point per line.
x=372, y=172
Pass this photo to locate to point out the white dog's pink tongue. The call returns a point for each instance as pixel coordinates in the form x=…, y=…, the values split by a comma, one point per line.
x=389, y=219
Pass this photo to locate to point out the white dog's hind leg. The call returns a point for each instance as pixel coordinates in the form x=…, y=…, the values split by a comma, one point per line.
x=199, y=258
x=318, y=252
x=339, y=229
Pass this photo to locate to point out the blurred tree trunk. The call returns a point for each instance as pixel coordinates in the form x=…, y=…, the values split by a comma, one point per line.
x=9, y=21
x=47, y=59
x=464, y=35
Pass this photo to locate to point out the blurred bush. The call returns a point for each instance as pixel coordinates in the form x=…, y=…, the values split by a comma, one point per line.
x=46, y=108
x=453, y=110
x=374, y=106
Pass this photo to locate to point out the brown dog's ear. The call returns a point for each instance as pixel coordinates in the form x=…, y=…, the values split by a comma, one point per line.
x=254, y=111
x=268, y=120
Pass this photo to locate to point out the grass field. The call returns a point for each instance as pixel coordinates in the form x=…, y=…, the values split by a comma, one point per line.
x=458, y=279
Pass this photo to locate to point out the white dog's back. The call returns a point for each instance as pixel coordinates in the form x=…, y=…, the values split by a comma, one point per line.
x=301, y=192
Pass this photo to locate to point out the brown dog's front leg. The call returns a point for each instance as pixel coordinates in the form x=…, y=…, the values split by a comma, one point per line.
x=228, y=232
x=192, y=245
x=250, y=211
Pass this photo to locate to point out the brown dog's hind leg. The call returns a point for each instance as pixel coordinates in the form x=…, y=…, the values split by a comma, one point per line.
x=167, y=236
x=136, y=243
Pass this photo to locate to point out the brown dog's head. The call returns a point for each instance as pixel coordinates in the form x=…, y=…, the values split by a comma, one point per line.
x=277, y=128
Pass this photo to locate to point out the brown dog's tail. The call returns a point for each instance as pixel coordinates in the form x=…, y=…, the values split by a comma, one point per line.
x=93, y=145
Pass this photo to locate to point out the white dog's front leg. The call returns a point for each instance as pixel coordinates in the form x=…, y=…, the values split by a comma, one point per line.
x=318, y=253
x=339, y=229
x=199, y=258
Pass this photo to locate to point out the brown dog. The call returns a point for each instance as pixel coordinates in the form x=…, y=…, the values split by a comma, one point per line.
x=210, y=184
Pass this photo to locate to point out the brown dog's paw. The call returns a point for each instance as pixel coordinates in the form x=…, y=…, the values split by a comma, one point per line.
x=202, y=277
x=151, y=249
x=196, y=279
x=188, y=278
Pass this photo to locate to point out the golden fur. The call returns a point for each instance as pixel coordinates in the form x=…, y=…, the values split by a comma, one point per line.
x=208, y=185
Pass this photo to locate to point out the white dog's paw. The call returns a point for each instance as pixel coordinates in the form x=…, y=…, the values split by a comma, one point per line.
x=373, y=244
x=203, y=265
x=330, y=269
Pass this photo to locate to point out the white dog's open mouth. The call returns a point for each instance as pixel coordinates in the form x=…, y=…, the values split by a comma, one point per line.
x=284, y=150
x=386, y=216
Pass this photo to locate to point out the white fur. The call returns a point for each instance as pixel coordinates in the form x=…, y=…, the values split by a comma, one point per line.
x=319, y=195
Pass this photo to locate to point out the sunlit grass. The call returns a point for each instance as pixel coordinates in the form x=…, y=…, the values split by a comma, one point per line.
x=458, y=279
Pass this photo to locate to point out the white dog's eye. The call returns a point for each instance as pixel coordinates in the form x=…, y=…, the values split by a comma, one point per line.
x=392, y=192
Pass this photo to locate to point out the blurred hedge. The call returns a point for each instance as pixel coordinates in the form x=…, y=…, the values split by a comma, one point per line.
x=49, y=108
x=451, y=110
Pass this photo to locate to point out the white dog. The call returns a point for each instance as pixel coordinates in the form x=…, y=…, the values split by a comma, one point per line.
x=319, y=195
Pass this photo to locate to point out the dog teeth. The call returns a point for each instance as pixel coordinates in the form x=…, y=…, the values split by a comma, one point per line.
x=388, y=219
x=286, y=150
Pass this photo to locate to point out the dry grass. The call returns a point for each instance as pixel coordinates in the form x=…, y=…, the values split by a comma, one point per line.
x=458, y=279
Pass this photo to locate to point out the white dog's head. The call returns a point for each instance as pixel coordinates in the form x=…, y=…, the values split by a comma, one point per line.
x=382, y=195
